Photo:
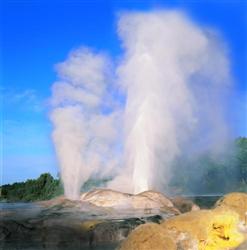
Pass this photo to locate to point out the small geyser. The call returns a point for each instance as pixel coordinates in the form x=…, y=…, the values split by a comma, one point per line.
x=82, y=135
x=174, y=75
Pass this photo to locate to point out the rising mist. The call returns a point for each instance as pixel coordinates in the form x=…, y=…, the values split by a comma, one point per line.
x=175, y=78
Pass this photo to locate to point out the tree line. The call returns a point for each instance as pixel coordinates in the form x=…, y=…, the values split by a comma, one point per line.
x=45, y=187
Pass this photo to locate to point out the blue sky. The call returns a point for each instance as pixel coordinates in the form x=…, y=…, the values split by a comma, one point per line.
x=38, y=34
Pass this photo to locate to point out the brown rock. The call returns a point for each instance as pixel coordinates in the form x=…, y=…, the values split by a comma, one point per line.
x=148, y=237
x=184, y=205
x=236, y=202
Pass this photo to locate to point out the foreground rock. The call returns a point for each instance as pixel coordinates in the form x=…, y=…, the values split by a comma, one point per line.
x=103, y=218
x=236, y=202
x=100, y=220
x=147, y=237
x=63, y=227
x=212, y=229
x=217, y=229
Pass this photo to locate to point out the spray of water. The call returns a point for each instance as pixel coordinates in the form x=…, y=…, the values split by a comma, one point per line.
x=82, y=135
x=174, y=75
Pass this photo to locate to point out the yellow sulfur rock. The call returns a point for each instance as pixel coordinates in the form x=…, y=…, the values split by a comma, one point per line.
x=213, y=229
x=149, y=236
x=225, y=233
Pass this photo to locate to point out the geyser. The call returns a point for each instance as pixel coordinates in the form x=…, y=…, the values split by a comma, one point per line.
x=174, y=75
x=82, y=136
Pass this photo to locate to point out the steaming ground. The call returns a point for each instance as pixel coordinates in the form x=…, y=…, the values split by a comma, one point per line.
x=174, y=76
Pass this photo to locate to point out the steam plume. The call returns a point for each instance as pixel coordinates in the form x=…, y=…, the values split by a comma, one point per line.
x=83, y=135
x=175, y=77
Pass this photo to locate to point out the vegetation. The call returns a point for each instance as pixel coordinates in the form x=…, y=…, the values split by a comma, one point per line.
x=213, y=174
x=43, y=188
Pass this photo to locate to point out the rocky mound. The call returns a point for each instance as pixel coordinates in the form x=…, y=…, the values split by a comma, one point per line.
x=114, y=199
x=236, y=202
x=149, y=236
x=106, y=198
x=221, y=228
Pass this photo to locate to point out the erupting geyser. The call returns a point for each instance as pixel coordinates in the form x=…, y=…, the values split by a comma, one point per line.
x=83, y=137
x=174, y=75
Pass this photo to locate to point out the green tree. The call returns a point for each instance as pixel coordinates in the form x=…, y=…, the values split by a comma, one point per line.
x=241, y=157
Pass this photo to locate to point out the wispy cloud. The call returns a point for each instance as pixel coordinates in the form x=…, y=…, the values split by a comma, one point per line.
x=22, y=99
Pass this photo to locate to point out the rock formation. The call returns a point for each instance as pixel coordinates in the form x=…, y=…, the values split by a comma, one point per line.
x=212, y=229
x=149, y=221
x=221, y=228
x=145, y=200
x=149, y=236
x=184, y=205
x=236, y=202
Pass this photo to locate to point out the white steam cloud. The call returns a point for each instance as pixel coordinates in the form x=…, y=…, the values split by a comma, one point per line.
x=175, y=76
x=83, y=136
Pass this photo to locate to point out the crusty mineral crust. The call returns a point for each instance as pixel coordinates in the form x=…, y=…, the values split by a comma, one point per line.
x=149, y=236
x=236, y=202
